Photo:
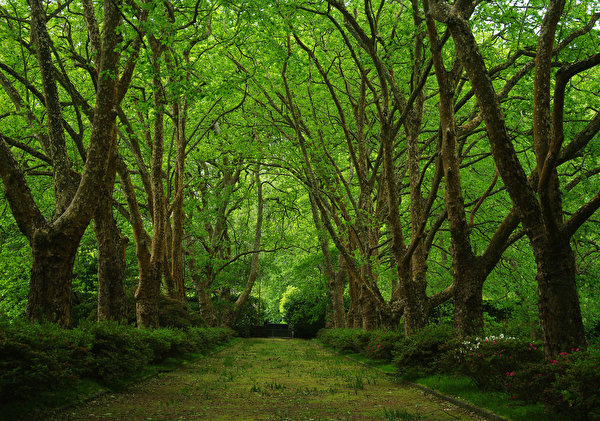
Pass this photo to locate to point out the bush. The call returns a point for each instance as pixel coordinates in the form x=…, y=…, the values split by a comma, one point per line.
x=252, y=314
x=421, y=353
x=305, y=311
x=382, y=344
x=345, y=340
x=569, y=385
x=38, y=358
x=173, y=313
x=117, y=351
x=492, y=362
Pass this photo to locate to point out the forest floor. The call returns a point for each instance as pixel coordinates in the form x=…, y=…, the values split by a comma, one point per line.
x=268, y=379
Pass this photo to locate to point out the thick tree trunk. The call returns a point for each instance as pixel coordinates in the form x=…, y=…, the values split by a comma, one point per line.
x=559, y=308
x=368, y=309
x=207, y=309
x=468, y=305
x=147, y=294
x=111, y=263
x=111, y=252
x=558, y=302
x=51, y=277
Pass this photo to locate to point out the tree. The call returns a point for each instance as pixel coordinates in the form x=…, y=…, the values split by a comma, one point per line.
x=54, y=241
x=542, y=216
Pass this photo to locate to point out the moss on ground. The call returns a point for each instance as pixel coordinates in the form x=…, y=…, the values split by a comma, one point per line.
x=268, y=379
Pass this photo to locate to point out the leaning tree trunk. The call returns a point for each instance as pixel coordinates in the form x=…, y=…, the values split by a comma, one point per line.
x=241, y=301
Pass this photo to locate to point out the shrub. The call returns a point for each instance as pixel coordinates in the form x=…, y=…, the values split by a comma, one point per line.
x=569, y=384
x=382, y=344
x=492, y=361
x=26, y=371
x=173, y=313
x=304, y=311
x=345, y=340
x=578, y=382
x=37, y=358
x=419, y=354
x=117, y=351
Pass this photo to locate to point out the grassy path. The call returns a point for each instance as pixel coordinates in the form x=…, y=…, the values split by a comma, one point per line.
x=268, y=379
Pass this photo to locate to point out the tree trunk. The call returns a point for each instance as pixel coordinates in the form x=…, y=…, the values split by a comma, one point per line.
x=147, y=294
x=559, y=307
x=368, y=309
x=336, y=291
x=558, y=302
x=468, y=305
x=111, y=252
x=207, y=309
x=111, y=262
x=353, y=318
x=51, y=277
x=241, y=301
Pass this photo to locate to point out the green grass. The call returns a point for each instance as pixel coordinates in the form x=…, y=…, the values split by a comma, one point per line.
x=499, y=403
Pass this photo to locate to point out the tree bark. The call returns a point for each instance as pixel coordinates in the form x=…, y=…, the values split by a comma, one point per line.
x=337, y=294
x=111, y=261
x=51, y=277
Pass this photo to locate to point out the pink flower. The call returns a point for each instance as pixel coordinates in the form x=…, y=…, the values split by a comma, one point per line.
x=378, y=346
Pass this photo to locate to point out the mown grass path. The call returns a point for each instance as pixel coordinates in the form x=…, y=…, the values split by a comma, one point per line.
x=268, y=379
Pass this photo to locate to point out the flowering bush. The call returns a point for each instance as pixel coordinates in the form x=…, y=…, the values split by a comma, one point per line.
x=492, y=362
x=569, y=384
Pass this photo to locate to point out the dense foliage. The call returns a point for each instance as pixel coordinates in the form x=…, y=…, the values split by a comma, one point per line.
x=37, y=359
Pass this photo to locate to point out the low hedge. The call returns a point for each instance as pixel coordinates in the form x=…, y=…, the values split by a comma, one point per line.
x=35, y=358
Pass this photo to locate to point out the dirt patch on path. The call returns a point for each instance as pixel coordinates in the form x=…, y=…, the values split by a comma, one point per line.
x=268, y=379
